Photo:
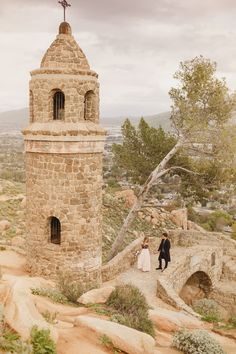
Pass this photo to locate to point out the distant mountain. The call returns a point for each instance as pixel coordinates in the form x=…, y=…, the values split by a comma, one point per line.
x=161, y=119
x=15, y=121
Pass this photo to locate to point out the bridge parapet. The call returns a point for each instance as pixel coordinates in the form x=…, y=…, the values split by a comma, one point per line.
x=202, y=260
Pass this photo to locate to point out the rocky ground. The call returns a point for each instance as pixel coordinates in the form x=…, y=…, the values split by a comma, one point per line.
x=83, y=326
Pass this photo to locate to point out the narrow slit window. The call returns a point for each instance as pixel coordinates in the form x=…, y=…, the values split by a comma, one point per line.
x=55, y=231
x=58, y=105
x=89, y=106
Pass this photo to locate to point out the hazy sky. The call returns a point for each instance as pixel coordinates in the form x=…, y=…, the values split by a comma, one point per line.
x=134, y=45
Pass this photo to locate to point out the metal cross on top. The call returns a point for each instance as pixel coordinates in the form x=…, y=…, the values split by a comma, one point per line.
x=64, y=4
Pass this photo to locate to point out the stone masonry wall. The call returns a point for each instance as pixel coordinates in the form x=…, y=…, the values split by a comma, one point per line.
x=74, y=87
x=66, y=186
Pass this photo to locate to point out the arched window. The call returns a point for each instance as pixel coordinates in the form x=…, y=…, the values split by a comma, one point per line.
x=89, y=106
x=55, y=231
x=58, y=105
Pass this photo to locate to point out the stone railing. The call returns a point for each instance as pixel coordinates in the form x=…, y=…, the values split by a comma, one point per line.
x=194, y=259
x=122, y=261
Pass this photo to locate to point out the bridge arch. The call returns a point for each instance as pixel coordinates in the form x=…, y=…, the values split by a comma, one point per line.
x=198, y=286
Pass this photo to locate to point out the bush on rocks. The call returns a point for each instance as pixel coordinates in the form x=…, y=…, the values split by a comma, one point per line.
x=70, y=288
x=196, y=342
x=41, y=341
x=208, y=309
x=130, y=308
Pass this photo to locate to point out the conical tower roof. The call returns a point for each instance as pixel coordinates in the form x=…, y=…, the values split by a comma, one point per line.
x=64, y=52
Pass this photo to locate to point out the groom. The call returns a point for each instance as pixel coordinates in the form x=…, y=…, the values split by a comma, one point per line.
x=164, y=249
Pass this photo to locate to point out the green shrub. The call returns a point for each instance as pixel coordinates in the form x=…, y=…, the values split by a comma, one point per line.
x=50, y=317
x=10, y=342
x=196, y=342
x=107, y=342
x=52, y=294
x=193, y=215
x=70, y=288
x=232, y=322
x=41, y=341
x=130, y=308
x=207, y=226
x=208, y=309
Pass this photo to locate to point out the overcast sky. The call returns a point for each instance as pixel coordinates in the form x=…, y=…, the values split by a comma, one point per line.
x=134, y=45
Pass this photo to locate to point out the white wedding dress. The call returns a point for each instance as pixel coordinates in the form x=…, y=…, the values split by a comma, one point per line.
x=144, y=261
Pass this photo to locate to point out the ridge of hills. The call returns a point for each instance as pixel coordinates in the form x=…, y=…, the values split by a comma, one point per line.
x=16, y=120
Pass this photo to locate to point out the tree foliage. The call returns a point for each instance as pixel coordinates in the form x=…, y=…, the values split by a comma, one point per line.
x=201, y=101
x=201, y=111
x=143, y=148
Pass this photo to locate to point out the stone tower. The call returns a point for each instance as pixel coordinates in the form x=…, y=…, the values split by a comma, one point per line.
x=63, y=154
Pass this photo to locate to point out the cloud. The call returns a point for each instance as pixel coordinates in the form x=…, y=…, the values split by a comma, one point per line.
x=135, y=46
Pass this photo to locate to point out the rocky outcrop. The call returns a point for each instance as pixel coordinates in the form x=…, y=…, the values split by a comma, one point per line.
x=96, y=296
x=124, y=338
x=128, y=196
x=20, y=311
x=180, y=218
x=171, y=321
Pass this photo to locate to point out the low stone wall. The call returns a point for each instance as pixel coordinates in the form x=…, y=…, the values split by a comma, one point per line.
x=122, y=261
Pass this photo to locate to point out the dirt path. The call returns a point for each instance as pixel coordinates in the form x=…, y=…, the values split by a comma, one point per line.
x=147, y=281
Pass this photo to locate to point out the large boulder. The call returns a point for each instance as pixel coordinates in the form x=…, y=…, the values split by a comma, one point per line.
x=4, y=225
x=20, y=311
x=96, y=296
x=180, y=218
x=128, y=196
x=171, y=321
x=124, y=338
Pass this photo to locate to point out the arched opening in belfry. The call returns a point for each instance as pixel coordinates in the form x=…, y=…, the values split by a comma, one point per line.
x=55, y=230
x=198, y=286
x=58, y=105
x=31, y=107
x=89, y=106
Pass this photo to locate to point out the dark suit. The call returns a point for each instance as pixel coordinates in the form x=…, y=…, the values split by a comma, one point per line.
x=164, y=249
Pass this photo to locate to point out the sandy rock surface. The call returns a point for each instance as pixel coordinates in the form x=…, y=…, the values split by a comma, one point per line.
x=171, y=321
x=96, y=296
x=19, y=309
x=124, y=338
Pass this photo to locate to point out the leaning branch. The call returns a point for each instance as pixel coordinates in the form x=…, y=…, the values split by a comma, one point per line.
x=159, y=171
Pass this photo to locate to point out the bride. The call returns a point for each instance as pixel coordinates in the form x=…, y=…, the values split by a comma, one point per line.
x=144, y=261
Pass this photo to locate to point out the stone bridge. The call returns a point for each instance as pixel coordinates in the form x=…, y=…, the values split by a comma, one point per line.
x=201, y=266
x=200, y=261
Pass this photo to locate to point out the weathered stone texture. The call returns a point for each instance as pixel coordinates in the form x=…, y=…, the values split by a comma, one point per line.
x=67, y=187
x=64, y=164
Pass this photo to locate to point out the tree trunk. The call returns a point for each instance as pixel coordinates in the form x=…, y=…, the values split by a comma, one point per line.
x=153, y=177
